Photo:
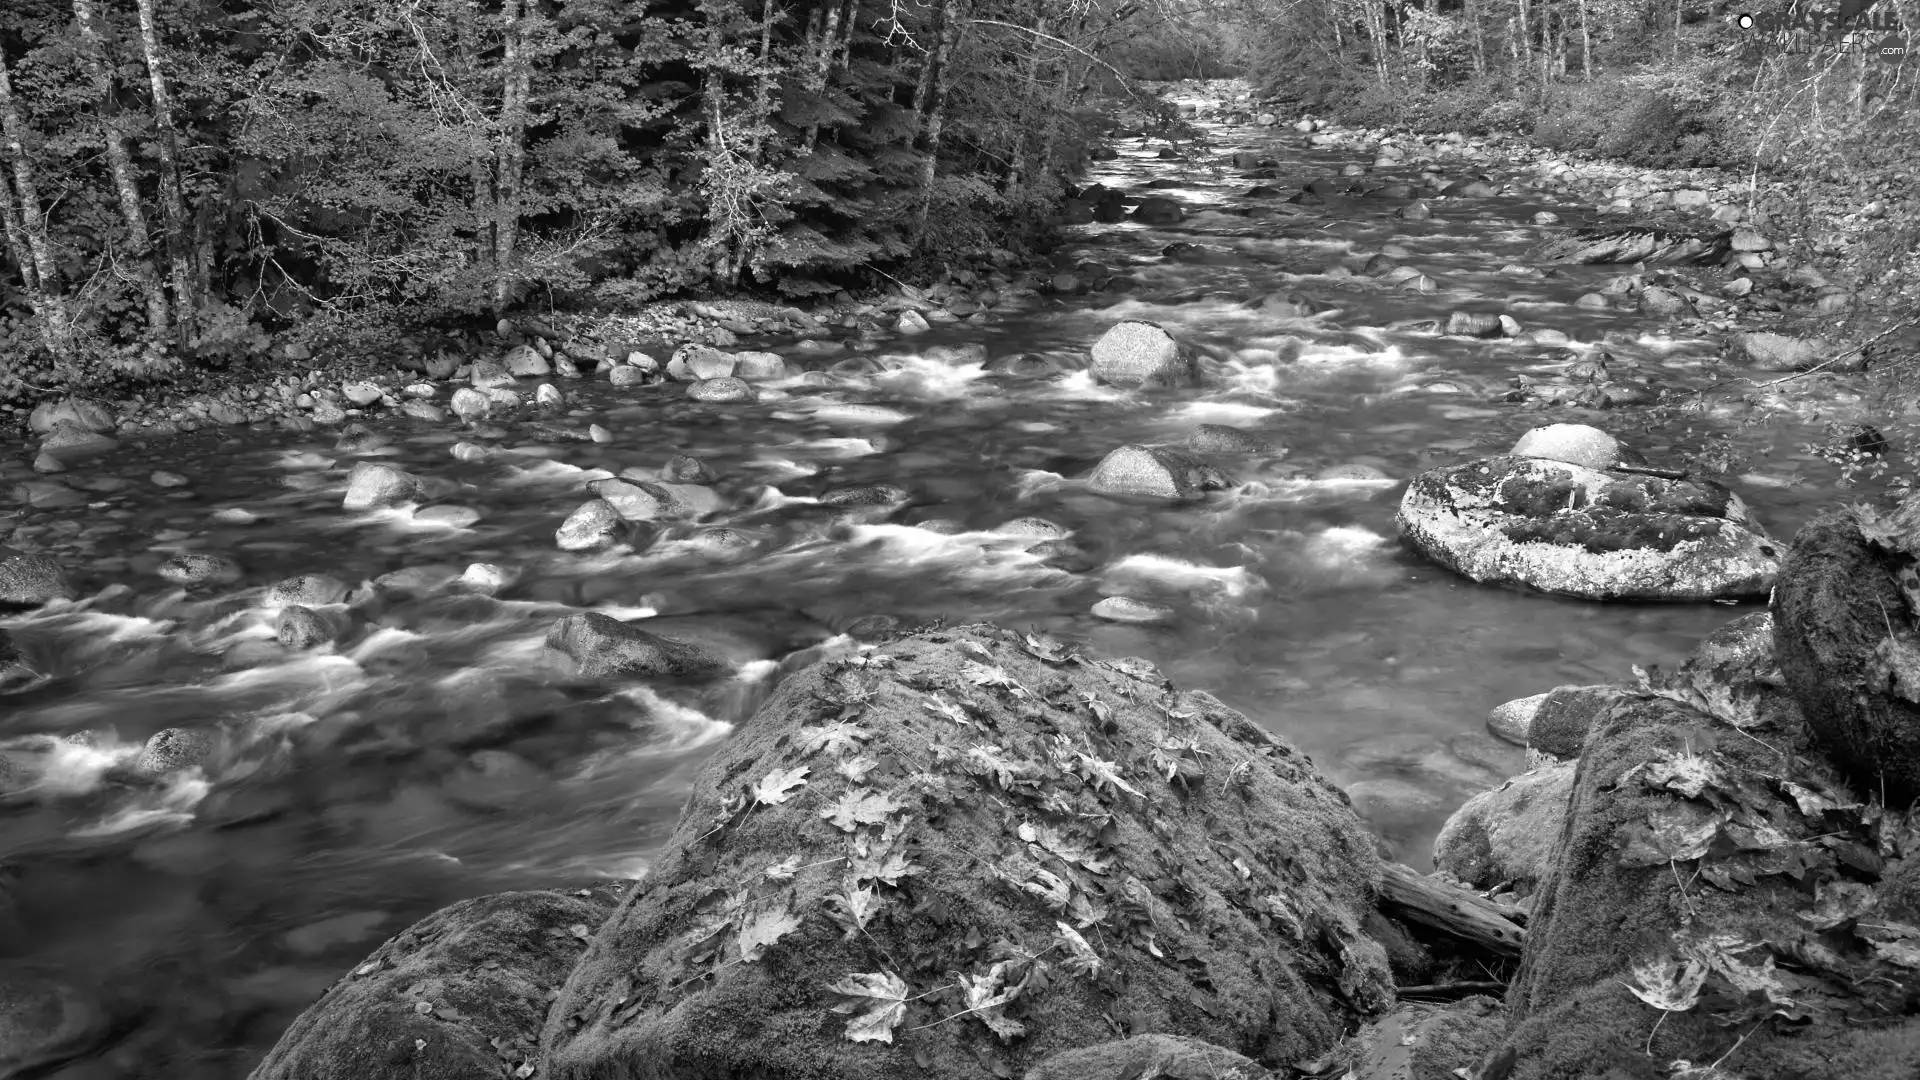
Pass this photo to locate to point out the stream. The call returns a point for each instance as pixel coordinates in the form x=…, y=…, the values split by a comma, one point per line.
x=440, y=751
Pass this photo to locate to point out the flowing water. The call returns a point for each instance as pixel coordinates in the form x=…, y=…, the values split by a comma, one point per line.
x=439, y=752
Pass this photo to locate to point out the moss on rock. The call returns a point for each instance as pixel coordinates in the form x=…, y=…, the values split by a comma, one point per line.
x=461, y=993
x=971, y=851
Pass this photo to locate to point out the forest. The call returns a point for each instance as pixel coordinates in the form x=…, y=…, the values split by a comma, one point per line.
x=187, y=182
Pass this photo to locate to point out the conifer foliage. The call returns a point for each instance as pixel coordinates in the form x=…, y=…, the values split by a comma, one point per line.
x=180, y=177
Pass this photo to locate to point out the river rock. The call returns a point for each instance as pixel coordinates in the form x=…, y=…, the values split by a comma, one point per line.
x=470, y=405
x=78, y=412
x=1158, y=210
x=372, y=485
x=28, y=580
x=855, y=495
x=634, y=500
x=1780, y=352
x=1843, y=631
x=1632, y=244
x=68, y=442
x=1126, y=609
x=1154, y=472
x=686, y=469
x=310, y=590
x=1576, y=444
x=1480, y=324
x=1731, y=875
x=1136, y=353
x=722, y=391
x=490, y=375
x=595, y=524
x=601, y=646
x=196, y=568
x=461, y=993
x=759, y=366
x=1734, y=674
x=959, y=795
x=526, y=361
x=1559, y=726
x=1510, y=721
x=627, y=375
x=43, y=1021
x=1221, y=439
x=174, y=749
x=1508, y=836
x=304, y=628
x=1573, y=531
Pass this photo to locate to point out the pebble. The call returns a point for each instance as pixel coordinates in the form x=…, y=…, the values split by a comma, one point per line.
x=1126, y=609
x=165, y=479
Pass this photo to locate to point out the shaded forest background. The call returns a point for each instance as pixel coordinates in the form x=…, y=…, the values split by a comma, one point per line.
x=184, y=182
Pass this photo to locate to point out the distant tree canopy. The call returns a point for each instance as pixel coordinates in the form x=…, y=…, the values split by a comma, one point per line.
x=179, y=177
x=176, y=174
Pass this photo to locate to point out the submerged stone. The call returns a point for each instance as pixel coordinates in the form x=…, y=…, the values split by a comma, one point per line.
x=600, y=646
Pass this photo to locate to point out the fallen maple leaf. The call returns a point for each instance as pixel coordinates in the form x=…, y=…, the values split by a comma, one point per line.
x=940, y=706
x=860, y=807
x=881, y=994
x=987, y=995
x=853, y=907
x=1105, y=775
x=1049, y=887
x=1045, y=648
x=855, y=769
x=763, y=930
x=837, y=738
x=1081, y=959
x=1675, y=834
x=1815, y=803
x=779, y=785
x=1668, y=983
x=784, y=869
x=992, y=676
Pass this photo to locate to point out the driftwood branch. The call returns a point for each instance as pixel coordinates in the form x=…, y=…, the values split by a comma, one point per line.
x=1451, y=989
x=1451, y=910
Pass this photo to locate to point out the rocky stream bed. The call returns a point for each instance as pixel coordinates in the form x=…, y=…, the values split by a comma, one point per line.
x=289, y=668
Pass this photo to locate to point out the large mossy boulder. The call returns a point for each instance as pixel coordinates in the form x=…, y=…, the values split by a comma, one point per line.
x=1843, y=627
x=1573, y=531
x=461, y=993
x=1719, y=895
x=969, y=851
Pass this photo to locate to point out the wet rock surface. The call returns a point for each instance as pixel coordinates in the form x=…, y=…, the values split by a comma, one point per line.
x=463, y=992
x=1575, y=531
x=957, y=789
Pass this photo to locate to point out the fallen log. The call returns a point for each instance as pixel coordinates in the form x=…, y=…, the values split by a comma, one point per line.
x=1450, y=909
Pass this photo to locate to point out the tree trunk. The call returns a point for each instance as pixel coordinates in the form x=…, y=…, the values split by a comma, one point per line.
x=43, y=280
x=515, y=83
x=923, y=86
x=952, y=24
x=1473, y=14
x=1525, y=35
x=822, y=54
x=1679, y=7
x=16, y=236
x=93, y=54
x=1586, y=43
x=173, y=200
x=483, y=201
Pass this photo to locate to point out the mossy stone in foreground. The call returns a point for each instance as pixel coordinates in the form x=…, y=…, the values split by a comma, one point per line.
x=1848, y=651
x=970, y=851
x=1692, y=844
x=461, y=993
